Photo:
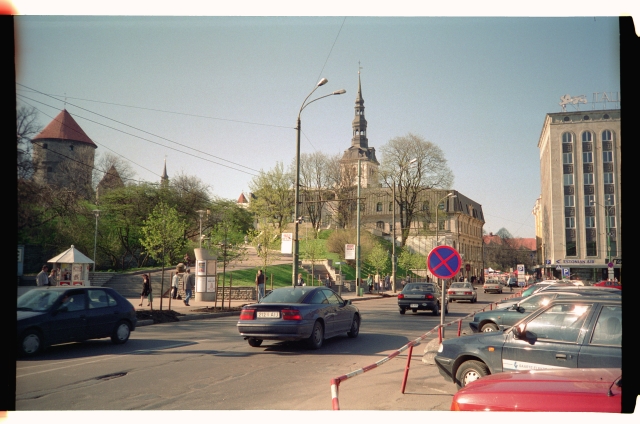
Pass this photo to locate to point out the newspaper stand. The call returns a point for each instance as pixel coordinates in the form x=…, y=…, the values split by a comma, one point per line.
x=73, y=268
x=206, y=269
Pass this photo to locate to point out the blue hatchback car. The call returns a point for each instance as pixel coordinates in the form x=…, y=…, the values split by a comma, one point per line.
x=54, y=315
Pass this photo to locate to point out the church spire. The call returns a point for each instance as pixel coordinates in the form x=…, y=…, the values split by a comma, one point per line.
x=165, y=178
x=359, y=124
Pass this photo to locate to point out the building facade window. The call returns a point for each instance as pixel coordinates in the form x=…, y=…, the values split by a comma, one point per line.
x=590, y=200
x=567, y=158
x=569, y=201
x=607, y=156
x=45, y=146
x=590, y=221
x=588, y=179
x=567, y=179
x=567, y=138
x=390, y=206
x=586, y=136
x=608, y=177
x=379, y=207
x=609, y=200
x=571, y=248
x=611, y=221
x=592, y=248
x=606, y=135
x=71, y=147
x=570, y=222
x=587, y=157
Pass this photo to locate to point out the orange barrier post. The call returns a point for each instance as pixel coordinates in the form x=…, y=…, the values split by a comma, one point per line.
x=439, y=334
x=406, y=369
x=459, y=327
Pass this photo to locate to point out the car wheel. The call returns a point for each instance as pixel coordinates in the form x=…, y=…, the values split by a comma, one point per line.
x=355, y=327
x=254, y=342
x=121, y=333
x=317, y=335
x=402, y=311
x=453, y=300
x=436, y=311
x=415, y=311
x=485, y=291
x=31, y=343
x=489, y=327
x=470, y=371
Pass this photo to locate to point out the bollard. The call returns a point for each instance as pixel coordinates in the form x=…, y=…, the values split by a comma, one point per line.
x=406, y=369
x=440, y=334
x=459, y=327
x=491, y=306
x=335, y=383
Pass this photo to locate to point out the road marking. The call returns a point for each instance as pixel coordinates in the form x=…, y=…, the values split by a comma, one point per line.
x=105, y=358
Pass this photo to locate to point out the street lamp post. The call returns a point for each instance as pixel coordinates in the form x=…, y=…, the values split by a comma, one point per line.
x=96, y=212
x=296, y=215
x=606, y=222
x=444, y=283
x=393, y=244
x=200, y=212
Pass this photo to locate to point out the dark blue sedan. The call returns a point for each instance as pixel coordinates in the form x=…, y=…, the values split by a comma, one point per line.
x=54, y=315
x=304, y=313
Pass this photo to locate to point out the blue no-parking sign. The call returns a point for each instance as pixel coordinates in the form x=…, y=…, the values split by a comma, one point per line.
x=444, y=262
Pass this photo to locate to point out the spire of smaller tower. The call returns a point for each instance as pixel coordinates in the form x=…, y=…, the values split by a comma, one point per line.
x=359, y=85
x=165, y=178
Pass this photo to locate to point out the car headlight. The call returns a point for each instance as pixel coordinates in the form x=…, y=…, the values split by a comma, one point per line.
x=440, y=348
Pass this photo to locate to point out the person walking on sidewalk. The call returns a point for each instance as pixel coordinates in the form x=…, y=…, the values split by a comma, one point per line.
x=370, y=283
x=174, y=286
x=146, y=290
x=300, y=281
x=188, y=286
x=43, y=279
x=259, y=285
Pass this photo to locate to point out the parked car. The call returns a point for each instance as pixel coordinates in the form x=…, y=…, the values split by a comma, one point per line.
x=421, y=297
x=54, y=315
x=501, y=319
x=557, y=390
x=612, y=284
x=557, y=287
x=305, y=313
x=462, y=291
x=569, y=332
x=494, y=286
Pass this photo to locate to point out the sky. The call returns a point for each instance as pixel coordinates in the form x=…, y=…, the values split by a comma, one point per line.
x=218, y=96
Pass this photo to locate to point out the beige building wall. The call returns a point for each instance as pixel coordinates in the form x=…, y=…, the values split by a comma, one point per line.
x=561, y=223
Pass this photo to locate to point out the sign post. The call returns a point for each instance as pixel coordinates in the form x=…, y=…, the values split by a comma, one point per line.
x=443, y=262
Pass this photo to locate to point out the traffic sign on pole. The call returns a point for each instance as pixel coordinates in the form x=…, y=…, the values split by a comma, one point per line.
x=444, y=262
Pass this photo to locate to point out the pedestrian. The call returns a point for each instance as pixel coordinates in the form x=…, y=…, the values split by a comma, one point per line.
x=146, y=290
x=387, y=282
x=327, y=281
x=174, y=285
x=259, y=248
x=260, y=285
x=300, y=281
x=370, y=283
x=42, y=279
x=187, y=259
x=187, y=279
x=53, y=277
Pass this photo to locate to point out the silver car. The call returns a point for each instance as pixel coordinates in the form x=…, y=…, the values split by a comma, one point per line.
x=462, y=291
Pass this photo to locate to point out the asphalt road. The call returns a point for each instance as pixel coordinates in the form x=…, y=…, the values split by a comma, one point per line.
x=206, y=365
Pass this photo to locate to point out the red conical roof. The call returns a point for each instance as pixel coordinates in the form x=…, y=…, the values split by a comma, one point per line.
x=64, y=127
x=242, y=199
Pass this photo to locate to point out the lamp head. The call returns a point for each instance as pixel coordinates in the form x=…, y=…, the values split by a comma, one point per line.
x=323, y=81
x=339, y=92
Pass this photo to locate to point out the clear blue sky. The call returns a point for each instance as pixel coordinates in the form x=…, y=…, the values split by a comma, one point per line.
x=220, y=95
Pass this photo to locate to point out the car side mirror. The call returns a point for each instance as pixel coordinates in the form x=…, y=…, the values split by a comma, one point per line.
x=347, y=302
x=520, y=309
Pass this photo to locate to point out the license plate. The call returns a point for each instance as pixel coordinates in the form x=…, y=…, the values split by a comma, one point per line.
x=268, y=314
x=414, y=305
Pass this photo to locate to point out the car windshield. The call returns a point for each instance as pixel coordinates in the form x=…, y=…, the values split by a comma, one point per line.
x=287, y=295
x=413, y=287
x=38, y=300
x=460, y=285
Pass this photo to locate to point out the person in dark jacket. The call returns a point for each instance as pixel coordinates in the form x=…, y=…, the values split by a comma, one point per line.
x=146, y=290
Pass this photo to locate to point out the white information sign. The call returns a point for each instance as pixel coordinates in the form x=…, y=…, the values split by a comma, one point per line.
x=349, y=251
x=286, y=246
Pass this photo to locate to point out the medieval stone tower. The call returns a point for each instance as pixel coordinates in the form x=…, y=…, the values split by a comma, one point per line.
x=359, y=149
x=64, y=155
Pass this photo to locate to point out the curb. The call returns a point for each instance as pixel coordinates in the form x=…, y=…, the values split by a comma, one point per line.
x=190, y=317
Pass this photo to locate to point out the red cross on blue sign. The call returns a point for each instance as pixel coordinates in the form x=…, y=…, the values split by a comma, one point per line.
x=444, y=262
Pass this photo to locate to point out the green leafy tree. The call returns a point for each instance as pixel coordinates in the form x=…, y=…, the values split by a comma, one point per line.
x=378, y=259
x=265, y=240
x=338, y=239
x=163, y=236
x=274, y=199
x=313, y=250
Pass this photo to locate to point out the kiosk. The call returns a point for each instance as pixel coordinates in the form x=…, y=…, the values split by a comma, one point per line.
x=206, y=269
x=73, y=268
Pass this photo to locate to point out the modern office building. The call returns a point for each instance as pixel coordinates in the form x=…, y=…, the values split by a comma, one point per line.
x=578, y=220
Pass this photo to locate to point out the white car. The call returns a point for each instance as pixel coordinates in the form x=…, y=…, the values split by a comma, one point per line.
x=492, y=286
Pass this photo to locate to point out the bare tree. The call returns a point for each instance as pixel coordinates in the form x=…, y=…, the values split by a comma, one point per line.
x=414, y=166
x=315, y=180
x=27, y=127
x=107, y=160
x=343, y=205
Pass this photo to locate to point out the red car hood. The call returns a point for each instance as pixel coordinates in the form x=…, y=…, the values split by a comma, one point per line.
x=570, y=390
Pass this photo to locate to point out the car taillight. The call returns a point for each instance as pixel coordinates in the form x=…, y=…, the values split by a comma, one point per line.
x=451, y=292
x=455, y=406
x=467, y=292
x=247, y=314
x=291, y=315
x=400, y=296
x=429, y=297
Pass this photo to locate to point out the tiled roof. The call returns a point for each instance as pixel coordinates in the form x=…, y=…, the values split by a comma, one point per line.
x=518, y=243
x=242, y=199
x=64, y=127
